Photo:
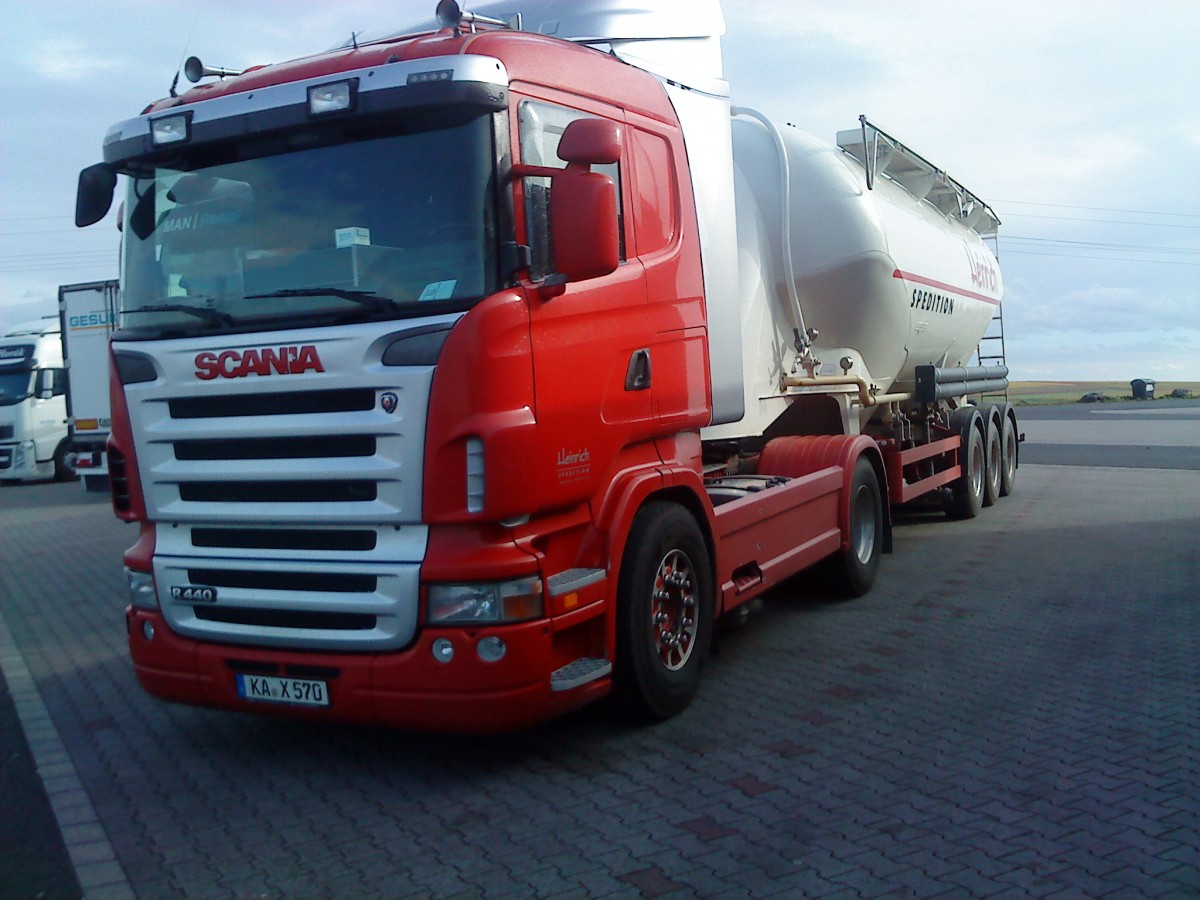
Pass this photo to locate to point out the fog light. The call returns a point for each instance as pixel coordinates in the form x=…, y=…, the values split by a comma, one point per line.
x=491, y=649
x=148, y=630
x=443, y=650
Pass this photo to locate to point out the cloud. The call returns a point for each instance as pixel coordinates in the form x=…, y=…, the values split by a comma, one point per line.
x=1096, y=309
x=68, y=59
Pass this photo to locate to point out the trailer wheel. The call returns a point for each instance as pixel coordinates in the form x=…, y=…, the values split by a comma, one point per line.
x=966, y=492
x=664, y=612
x=1008, y=451
x=854, y=569
x=62, y=469
x=994, y=463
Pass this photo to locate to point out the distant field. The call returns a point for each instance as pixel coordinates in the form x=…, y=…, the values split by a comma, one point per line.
x=1040, y=393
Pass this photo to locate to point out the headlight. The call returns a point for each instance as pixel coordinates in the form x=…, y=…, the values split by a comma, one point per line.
x=504, y=601
x=141, y=589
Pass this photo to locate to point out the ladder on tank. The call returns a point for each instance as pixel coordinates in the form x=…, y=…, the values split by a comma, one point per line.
x=990, y=350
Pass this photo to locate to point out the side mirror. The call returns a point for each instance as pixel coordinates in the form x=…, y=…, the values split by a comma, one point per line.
x=591, y=142
x=44, y=384
x=583, y=224
x=583, y=204
x=95, y=194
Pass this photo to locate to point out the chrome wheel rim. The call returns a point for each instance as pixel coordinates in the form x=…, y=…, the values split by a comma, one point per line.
x=995, y=455
x=674, y=610
x=976, y=465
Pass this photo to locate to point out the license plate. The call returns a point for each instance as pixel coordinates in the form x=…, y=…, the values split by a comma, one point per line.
x=269, y=689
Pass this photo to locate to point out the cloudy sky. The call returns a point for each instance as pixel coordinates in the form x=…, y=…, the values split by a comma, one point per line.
x=1077, y=121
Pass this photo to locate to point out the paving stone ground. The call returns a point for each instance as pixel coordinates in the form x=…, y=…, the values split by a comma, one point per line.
x=1013, y=711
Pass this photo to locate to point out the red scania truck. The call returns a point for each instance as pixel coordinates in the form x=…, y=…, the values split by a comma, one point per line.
x=466, y=376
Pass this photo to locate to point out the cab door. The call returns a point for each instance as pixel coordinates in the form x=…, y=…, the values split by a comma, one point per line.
x=48, y=413
x=591, y=344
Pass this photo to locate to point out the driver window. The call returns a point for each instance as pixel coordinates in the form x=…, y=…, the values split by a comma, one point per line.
x=541, y=128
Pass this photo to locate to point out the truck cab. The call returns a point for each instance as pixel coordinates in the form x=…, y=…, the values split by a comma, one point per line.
x=33, y=407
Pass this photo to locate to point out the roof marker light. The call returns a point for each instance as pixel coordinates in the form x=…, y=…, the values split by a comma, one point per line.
x=427, y=77
x=337, y=96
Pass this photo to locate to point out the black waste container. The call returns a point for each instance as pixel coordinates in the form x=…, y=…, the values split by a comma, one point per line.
x=1143, y=389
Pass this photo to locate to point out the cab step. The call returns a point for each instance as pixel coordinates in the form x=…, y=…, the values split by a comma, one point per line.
x=579, y=673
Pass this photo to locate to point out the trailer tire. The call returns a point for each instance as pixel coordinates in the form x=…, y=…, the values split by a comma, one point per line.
x=665, y=575
x=994, y=462
x=62, y=469
x=1009, y=451
x=853, y=570
x=966, y=492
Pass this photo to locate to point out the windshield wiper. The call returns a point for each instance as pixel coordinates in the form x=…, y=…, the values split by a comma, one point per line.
x=366, y=298
x=216, y=317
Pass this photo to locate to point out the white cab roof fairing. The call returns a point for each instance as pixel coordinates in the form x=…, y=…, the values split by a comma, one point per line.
x=674, y=39
x=586, y=20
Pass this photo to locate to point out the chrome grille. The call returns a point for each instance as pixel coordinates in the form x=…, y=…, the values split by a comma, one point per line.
x=296, y=497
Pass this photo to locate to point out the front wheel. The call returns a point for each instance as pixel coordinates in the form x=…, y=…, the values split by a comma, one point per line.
x=664, y=612
x=62, y=468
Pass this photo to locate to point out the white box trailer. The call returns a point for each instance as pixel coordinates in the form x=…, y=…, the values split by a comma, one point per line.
x=86, y=316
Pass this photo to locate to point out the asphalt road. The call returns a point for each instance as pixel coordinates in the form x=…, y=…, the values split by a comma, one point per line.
x=1163, y=434
x=1013, y=710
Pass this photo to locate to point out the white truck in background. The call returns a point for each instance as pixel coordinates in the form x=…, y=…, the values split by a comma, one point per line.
x=33, y=408
x=86, y=317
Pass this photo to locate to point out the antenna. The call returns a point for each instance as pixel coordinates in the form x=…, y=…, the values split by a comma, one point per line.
x=187, y=43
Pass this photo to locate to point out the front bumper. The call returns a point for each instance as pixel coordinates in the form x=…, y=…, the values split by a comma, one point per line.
x=405, y=689
x=18, y=462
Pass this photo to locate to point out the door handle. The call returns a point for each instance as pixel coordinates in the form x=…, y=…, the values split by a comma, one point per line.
x=637, y=376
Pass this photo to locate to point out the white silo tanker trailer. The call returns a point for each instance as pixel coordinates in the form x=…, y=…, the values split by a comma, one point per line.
x=866, y=286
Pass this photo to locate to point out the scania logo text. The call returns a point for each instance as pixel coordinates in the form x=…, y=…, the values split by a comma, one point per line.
x=258, y=361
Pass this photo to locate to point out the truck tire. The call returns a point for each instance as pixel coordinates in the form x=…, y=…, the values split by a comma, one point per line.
x=664, y=613
x=1008, y=450
x=966, y=492
x=853, y=570
x=994, y=456
x=62, y=470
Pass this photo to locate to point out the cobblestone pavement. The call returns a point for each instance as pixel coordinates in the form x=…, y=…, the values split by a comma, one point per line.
x=1013, y=711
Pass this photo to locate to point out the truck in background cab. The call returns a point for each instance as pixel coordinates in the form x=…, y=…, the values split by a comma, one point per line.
x=33, y=408
x=467, y=375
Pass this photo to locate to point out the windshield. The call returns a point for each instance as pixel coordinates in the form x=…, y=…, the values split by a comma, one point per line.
x=267, y=230
x=15, y=386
